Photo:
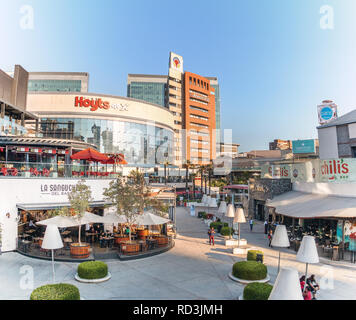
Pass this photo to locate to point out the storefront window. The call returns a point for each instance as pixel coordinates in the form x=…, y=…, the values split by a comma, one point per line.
x=140, y=143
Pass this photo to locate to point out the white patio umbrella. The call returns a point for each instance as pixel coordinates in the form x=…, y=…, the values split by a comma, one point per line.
x=150, y=219
x=52, y=240
x=287, y=286
x=280, y=239
x=114, y=218
x=66, y=222
x=59, y=221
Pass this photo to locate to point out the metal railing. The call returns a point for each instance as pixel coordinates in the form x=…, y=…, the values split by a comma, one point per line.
x=15, y=169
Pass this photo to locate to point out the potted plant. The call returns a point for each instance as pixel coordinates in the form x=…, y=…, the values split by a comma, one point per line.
x=79, y=199
x=130, y=197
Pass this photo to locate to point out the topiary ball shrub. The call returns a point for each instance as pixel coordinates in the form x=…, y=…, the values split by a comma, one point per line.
x=249, y=270
x=59, y=291
x=92, y=270
x=226, y=231
x=201, y=214
x=257, y=291
x=252, y=255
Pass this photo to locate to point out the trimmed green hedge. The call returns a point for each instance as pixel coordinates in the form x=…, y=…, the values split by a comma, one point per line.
x=252, y=255
x=249, y=270
x=257, y=291
x=226, y=231
x=59, y=291
x=92, y=270
x=216, y=225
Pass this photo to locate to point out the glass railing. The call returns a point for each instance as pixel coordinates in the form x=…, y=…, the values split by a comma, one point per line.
x=11, y=127
x=13, y=169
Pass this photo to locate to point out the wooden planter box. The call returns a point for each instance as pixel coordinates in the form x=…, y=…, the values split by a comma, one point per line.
x=162, y=241
x=79, y=251
x=120, y=239
x=130, y=248
x=142, y=234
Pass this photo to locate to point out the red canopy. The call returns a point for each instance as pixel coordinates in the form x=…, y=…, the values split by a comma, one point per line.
x=115, y=159
x=89, y=155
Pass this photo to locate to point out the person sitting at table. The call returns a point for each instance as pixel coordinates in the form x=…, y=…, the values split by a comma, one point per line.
x=127, y=230
x=114, y=230
x=102, y=240
x=313, y=286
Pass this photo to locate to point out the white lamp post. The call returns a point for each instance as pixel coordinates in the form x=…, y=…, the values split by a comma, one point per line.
x=307, y=253
x=230, y=213
x=280, y=239
x=239, y=218
x=52, y=240
x=203, y=200
x=222, y=208
x=287, y=286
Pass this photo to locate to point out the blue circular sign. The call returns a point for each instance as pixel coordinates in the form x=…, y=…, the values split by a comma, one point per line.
x=326, y=113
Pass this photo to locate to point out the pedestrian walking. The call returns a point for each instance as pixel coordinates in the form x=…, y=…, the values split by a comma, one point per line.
x=266, y=226
x=211, y=233
x=251, y=224
x=270, y=235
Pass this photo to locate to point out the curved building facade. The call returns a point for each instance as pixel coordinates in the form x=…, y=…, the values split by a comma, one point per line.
x=143, y=132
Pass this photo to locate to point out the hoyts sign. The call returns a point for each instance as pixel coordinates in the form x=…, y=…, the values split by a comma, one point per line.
x=95, y=104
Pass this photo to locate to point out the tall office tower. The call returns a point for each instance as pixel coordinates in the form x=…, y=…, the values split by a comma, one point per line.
x=149, y=88
x=215, y=84
x=58, y=82
x=199, y=119
x=175, y=101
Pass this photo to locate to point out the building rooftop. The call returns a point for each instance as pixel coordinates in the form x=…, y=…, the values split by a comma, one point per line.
x=345, y=119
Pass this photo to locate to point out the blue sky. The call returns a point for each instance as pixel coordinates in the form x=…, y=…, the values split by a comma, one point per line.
x=273, y=61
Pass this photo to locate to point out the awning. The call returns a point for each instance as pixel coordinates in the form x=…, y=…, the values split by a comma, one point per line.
x=51, y=206
x=309, y=205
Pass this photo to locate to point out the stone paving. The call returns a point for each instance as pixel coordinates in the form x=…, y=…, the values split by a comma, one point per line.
x=191, y=270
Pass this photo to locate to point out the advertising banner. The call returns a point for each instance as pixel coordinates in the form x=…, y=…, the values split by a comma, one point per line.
x=303, y=146
x=333, y=170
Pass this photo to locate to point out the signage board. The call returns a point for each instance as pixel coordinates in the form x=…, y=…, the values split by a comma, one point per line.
x=332, y=170
x=303, y=146
x=176, y=62
x=327, y=111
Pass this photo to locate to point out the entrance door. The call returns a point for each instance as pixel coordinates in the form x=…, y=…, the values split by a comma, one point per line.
x=259, y=210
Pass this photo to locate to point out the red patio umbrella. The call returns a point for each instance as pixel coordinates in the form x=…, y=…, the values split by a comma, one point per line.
x=89, y=155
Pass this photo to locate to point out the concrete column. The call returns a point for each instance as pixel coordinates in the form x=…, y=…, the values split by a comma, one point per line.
x=22, y=119
x=2, y=110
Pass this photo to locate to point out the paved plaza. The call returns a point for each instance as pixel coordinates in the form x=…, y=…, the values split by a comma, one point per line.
x=191, y=270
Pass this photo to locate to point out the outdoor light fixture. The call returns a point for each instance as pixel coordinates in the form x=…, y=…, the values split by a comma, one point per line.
x=222, y=207
x=287, y=286
x=230, y=213
x=52, y=240
x=239, y=218
x=280, y=239
x=307, y=253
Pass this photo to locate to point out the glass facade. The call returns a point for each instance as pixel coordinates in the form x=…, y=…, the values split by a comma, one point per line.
x=142, y=144
x=11, y=127
x=55, y=85
x=152, y=92
x=217, y=105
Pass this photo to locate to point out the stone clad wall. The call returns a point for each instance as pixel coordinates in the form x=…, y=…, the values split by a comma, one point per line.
x=263, y=189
